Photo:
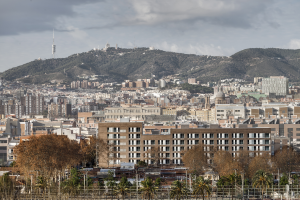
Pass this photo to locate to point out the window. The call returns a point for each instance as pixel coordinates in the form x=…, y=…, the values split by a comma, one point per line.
x=273, y=129
x=226, y=148
x=138, y=155
x=167, y=141
x=241, y=141
x=152, y=142
x=181, y=135
x=211, y=142
x=196, y=141
x=226, y=135
x=3, y=141
x=168, y=155
x=181, y=142
x=267, y=141
x=138, y=142
x=138, y=148
x=181, y=148
x=290, y=130
x=267, y=148
x=3, y=148
x=167, y=148
x=237, y=111
x=267, y=135
x=138, y=135
x=226, y=141
x=297, y=129
x=297, y=134
x=196, y=135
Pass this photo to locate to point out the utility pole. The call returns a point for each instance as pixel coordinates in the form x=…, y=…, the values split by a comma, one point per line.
x=278, y=179
x=185, y=177
x=97, y=147
x=137, y=185
x=243, y=186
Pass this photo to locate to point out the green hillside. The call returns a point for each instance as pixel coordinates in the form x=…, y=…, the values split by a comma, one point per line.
x=120, y=64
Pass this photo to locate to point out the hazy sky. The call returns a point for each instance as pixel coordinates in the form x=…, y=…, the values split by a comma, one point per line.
x=204, y=27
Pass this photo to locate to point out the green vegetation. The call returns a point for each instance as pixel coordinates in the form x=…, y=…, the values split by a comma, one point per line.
x=196, y=88
x=118, y=65
x=262, y=180
x=179, y=190
x=201, y=187
x=284, y=180
x=148, y=188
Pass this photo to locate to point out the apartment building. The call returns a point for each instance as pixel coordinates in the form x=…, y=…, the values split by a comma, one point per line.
x=169, y=111
x=275, y=84
x=59, y=110
x=131, y=144
x=4, y=139
x=138, y=113
x=224, y=111
x=34, y=105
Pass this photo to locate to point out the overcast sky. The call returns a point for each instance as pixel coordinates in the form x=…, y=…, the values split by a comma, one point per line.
x=203, y=27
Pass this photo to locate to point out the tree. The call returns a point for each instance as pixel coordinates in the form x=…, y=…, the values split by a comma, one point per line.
x=201, y=187
x=153, y=154
x=49, y=154
x=158, y=182
x=260, y=162
x=106, y=150
x=195, y=159
x=296, y=179
x=287, y=159
x=110, y=183
x=242, y=161
x=123, y=187
x=178, y=190
x=262, y=180
x=73, y=184
x=148, y=188
x=6, y=186
x=142, y=164
x=223, y=163
x=284, y=180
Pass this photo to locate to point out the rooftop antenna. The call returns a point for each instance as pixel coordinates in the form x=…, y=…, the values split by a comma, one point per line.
x=53, y=46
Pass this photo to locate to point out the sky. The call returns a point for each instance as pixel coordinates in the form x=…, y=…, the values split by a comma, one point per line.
x=202, y=27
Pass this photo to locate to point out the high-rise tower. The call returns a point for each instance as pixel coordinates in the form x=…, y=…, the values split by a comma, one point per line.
x=53, y=47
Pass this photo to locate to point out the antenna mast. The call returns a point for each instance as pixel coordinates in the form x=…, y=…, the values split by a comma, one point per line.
x=53, y=47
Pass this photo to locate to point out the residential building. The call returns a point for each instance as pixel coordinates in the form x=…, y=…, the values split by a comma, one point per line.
x=138, y=113
x=131, y=144
x=275, y=84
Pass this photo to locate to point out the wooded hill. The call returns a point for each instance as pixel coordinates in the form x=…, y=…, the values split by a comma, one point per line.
x=120, y=64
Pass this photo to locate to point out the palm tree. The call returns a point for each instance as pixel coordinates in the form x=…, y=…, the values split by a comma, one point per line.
x=262, y=179
x=148, y=188
x=201, y=187
x=178, y=190
x=123, y=187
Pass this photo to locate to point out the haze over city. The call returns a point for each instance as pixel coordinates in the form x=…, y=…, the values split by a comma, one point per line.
x=200, y=27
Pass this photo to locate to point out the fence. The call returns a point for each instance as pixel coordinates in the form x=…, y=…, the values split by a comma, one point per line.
x=95, y=193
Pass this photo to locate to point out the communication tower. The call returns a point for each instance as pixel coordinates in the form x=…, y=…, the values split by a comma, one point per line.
x=53, y=47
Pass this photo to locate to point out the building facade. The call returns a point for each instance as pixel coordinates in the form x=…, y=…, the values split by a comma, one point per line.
x=131, y=144
x=275, y=84
x=138, y=113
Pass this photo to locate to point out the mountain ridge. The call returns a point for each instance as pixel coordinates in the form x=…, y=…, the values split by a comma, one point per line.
x=116, y=65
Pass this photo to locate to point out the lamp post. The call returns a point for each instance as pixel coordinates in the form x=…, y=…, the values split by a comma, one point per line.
x=243, y=185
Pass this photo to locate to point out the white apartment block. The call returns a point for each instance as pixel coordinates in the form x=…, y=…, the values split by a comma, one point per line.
x=275, y=84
